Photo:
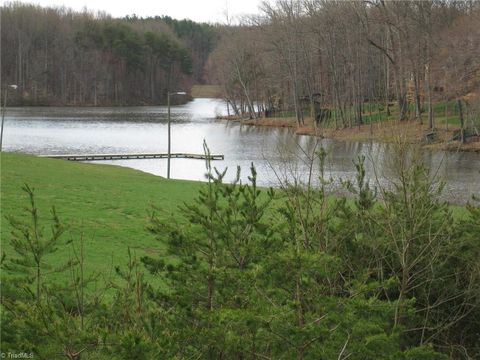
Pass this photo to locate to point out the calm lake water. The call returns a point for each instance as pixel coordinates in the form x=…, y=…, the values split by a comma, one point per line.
x=276, y=153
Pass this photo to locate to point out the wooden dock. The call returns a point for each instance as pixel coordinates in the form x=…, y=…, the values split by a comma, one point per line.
x=98, y=157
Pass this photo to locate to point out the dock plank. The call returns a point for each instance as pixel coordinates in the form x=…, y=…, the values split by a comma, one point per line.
x=99, y=157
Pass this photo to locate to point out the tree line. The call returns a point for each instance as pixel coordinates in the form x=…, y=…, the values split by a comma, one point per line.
x=57, y=56
x=303, y=56
x=344, y=58
x=250, y=273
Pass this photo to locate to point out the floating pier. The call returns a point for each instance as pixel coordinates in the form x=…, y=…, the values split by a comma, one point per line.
x=98, y=157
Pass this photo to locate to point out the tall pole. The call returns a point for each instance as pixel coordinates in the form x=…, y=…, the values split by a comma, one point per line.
x=169, y=139
x=169, y=129
x=3, y=117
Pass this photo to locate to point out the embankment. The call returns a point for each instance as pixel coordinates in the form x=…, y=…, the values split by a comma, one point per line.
x=386, y=131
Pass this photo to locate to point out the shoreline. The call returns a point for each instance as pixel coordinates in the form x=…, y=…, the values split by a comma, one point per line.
x=385, y=132
x=57, y=105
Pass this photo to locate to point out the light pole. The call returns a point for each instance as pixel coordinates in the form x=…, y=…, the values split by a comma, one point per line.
x=14, y=87
x=169, y=130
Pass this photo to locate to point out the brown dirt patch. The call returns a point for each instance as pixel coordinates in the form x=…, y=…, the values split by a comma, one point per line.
x=387, y=131
x=206, y=91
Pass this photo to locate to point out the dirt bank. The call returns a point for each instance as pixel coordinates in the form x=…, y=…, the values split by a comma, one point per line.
x=386, y=131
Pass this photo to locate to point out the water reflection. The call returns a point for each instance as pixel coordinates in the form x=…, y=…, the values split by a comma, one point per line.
x=276, y=152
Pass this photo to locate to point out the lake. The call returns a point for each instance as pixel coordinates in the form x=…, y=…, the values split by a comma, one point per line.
x=277, y=153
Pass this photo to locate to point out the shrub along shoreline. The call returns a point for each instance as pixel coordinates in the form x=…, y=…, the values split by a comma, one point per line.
x=230, y=271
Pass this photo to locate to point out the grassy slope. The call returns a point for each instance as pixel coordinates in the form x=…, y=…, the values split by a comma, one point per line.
x=109, y=204
x=444, y=112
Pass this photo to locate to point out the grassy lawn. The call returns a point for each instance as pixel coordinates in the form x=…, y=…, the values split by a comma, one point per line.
x=109, y=204
x=444, y=113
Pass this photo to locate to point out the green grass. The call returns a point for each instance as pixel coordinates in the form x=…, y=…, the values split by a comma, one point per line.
x=444, y=114
x=379, y=113
x=109, y=204
x=438, y=111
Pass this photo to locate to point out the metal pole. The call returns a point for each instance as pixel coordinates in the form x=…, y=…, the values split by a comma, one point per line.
x=3, y=117
x=169, y=139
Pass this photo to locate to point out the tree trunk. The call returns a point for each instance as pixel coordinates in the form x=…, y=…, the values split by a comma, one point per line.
x=429, y=95
x=462, y=122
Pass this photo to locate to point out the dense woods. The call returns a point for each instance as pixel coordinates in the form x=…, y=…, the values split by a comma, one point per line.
x=341, y=59
x=327, y=60
x=247, y=273
x=60, y=57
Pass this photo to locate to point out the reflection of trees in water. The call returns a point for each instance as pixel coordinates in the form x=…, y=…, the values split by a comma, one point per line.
x=54, y=131
x=381, y=164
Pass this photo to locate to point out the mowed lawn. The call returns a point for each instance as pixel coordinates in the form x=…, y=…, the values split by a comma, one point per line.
x=110, y=205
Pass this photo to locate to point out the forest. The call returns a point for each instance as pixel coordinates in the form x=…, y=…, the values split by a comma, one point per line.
x=60, y=57
x=340, y=60
x=320, y=59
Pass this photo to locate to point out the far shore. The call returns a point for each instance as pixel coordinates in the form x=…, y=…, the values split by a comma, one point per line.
x=196, y=91
x=386, y=131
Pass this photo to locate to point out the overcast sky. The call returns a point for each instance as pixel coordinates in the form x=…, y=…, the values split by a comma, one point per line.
x=197, y=10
